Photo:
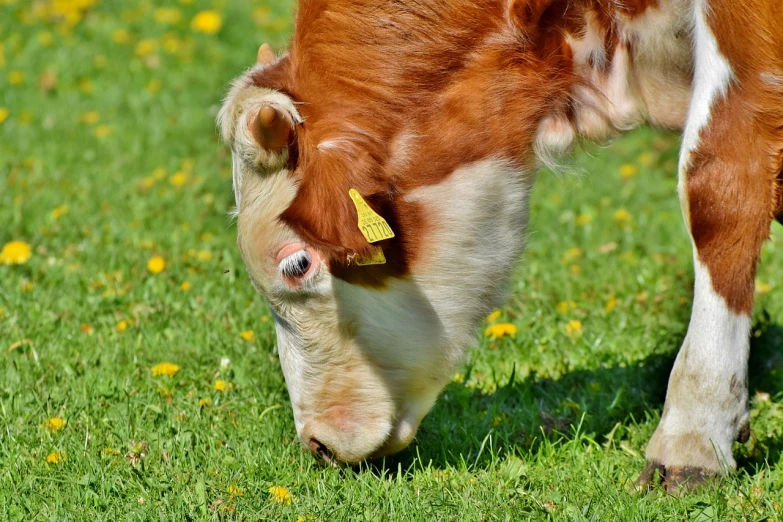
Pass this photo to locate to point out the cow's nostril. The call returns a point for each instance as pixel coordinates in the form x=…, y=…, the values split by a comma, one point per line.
x=321, y=451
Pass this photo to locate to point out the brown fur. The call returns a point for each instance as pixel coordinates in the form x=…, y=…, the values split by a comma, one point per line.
x=461, y=80
x=734, y=188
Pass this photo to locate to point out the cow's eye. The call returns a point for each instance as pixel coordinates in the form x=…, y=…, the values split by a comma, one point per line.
x=297, y=264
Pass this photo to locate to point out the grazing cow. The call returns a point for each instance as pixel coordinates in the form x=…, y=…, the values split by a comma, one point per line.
x=382, y=171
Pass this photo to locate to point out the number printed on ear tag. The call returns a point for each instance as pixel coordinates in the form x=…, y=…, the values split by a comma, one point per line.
x=376, y=258
x=372, y=226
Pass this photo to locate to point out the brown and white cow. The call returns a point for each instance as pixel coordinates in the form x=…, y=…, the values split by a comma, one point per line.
x=438, y=113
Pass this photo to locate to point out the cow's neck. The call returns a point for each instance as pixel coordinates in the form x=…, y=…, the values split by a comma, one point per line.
x=632, y=65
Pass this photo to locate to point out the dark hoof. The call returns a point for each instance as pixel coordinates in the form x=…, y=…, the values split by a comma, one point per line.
x=675, y=480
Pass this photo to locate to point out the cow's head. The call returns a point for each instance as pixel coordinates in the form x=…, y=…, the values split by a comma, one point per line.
x=430, y=114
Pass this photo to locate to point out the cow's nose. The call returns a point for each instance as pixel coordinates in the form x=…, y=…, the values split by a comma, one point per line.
x=338, y=437
x=320, y=451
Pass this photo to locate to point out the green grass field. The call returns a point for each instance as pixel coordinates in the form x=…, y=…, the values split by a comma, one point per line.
x=110, y=168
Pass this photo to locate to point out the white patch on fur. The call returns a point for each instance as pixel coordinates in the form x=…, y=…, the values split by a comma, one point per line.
x=706, y=402
x=662, y=61
x=590, y=47
x=364, y=365
x=712, y=78
x=554, y=138
x=479, y=217
x=621, y=90
x=338, y=144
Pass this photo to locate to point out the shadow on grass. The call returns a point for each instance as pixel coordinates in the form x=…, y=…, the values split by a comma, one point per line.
x=600, y=402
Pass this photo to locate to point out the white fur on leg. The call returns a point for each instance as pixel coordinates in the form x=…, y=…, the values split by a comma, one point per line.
x=707, y=400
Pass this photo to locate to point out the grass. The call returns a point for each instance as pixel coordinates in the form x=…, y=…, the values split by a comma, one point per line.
x=109, y=158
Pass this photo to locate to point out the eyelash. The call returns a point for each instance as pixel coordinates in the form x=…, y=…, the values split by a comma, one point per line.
x=296, y=265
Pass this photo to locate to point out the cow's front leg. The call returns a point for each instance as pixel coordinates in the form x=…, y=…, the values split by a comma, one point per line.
x=706, y=406
x=728, y=189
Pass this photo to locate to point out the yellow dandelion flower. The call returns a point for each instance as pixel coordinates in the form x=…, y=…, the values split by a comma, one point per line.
x=185, y=286
x=55, y=457
x=628, y=171
x=564, y=306
x=280, y=495
x=762, y=288
x=611, y=304
x=458, y=378
x=204, y=402
x=207, y=22
x=206, y=236
x=60, y=211
x=146, y=47
x=574, y=327
x=156, y=265
x=16, y=253
x=575, y=269
x=221, y=385
x=85, y=85
x=498, y=330
x=622, y=216
x=55, y=424
x=90, y=117
x=247, y=335
x=642, y=297
x=111, y=451
x=168, y=15
x=102, y=131
x=164, y=391
x=154, y=86
x=16, y=77
x=28, y=286
x=147, y=183
x=165, y=368
x=171, y=44
x=120, y=36
x=178, y=179
x=584, y=219
x=235, y=491
x=45, y=39
x=646, y=158
x=122, y=326
x=4, y=113
x=573, y=253
x=494, y=316
x=204, y=255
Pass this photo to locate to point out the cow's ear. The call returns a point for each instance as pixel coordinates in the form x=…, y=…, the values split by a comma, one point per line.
x=526, y=14
x=271, y=128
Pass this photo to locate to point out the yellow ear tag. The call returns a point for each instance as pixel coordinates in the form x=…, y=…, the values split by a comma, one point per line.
x=372, y=226
x=376, y=258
